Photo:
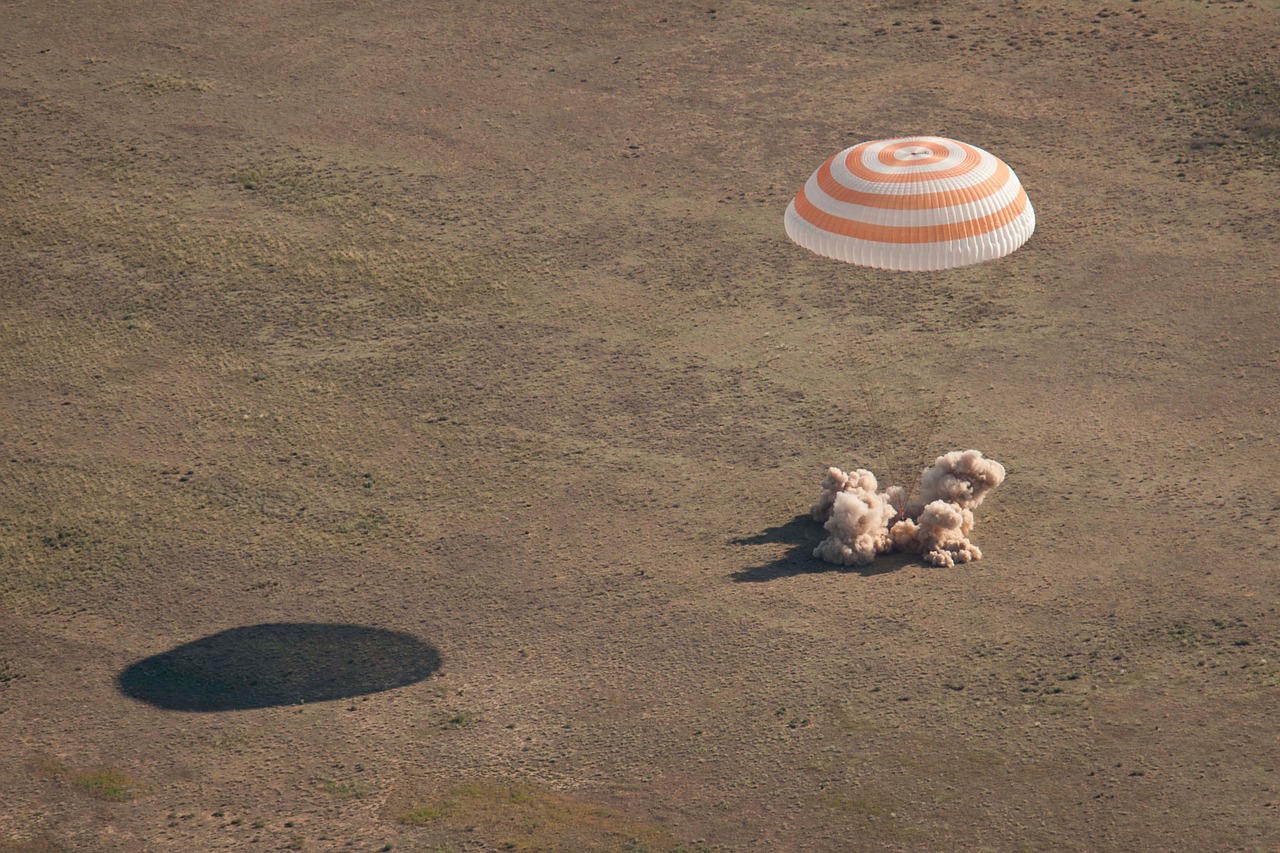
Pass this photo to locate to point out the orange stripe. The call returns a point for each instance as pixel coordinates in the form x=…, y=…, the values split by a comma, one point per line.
x=910, y=234
x=853, y=162
x=940, y=153
x=916, y=201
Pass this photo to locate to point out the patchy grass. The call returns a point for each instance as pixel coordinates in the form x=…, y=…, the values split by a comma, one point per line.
x=35, y=844
x=159, y=83
x=868, y=811
x=233, y=740
x=1243, y=105
x=1211, y=633
x=522, y=817
x=460, y=720
x=305, y=186
x=44, y=550
x=101, y=783
x=1256, y=106
x=105, y=784
x=863, y=810
x=342, y=790
x=1221, y=646
x=9, y=671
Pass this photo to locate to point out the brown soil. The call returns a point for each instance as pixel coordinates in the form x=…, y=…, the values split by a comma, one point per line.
x=476, y=323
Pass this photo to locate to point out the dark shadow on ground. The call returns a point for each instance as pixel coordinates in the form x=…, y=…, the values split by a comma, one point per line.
x=263, y=666
x=803, y=534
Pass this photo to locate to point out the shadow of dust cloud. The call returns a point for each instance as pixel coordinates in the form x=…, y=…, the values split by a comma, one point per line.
x=264, y=666
x=802, y=534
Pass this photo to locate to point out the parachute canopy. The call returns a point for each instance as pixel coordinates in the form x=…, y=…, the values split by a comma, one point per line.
x=916, y=203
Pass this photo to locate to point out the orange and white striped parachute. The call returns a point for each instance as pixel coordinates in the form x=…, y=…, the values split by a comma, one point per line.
x=917, y=203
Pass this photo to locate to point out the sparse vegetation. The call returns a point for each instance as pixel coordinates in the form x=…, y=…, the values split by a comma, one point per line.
x=343, y=790
x=361, y=314
x=1241, y=107
x=9, y=671
x=40, y=843
x=101, y=783
x=159, y=83
x=105, y=784
x=1256, y=105
x=460, y=720
x=514, y=816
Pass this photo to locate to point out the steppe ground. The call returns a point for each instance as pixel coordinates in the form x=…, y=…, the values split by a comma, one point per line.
x=477, y=322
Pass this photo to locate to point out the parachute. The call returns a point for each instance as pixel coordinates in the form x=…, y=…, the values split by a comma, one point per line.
x=915, y=203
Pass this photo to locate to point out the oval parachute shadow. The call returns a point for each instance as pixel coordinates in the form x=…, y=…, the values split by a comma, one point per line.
x=264, y=666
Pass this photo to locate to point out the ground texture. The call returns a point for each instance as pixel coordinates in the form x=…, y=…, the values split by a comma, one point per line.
x=466, y=337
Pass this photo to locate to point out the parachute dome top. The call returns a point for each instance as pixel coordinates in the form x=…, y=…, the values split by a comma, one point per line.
x=915, y=203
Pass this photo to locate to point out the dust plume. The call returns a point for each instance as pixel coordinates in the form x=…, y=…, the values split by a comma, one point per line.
x=940, y=533
x=961, y=477
x=935, y=524
x=856, y=516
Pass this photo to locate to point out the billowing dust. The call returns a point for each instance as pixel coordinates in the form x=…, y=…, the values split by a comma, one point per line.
x=936, y=523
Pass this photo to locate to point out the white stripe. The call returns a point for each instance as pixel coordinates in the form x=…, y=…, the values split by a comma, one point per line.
x=870, y=156
x=983, y=169
x=912, y=256
x=960, y=212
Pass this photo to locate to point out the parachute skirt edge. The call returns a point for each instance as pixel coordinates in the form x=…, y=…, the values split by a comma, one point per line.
x=911, y=257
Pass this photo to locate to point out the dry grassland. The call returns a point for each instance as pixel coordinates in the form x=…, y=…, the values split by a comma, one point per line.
x=477, y=323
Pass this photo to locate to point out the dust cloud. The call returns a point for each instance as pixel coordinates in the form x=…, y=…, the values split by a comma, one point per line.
x=856, y=516
x=936, y=523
